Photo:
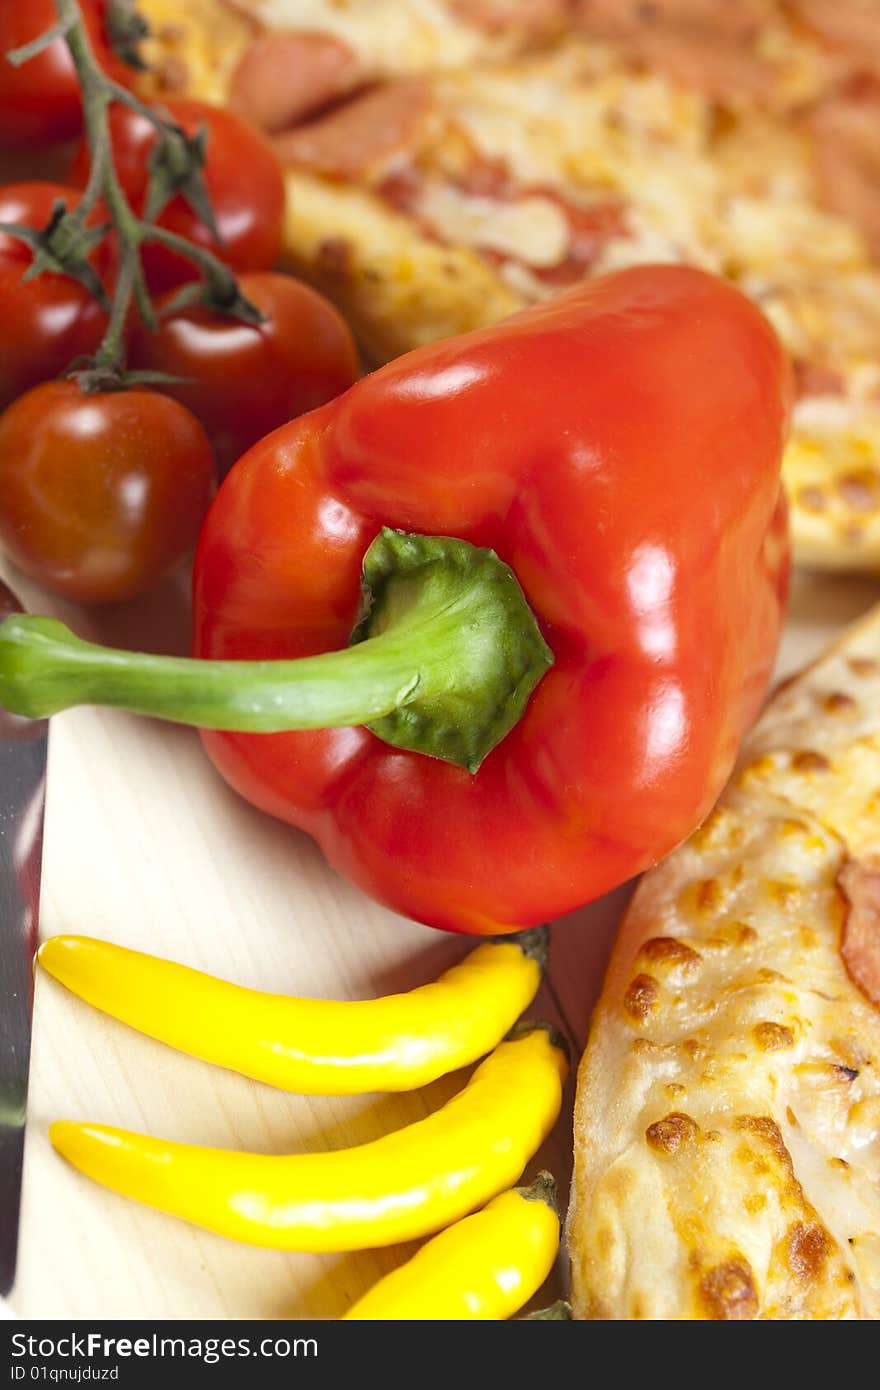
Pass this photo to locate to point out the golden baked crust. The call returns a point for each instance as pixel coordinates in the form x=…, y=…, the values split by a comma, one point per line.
x=522, y=155
x=727, y=1122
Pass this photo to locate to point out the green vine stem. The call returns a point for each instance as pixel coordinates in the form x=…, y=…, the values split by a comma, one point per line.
x=68, y=239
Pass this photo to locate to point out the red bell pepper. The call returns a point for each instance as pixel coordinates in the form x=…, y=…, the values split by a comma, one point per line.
x=619, y=449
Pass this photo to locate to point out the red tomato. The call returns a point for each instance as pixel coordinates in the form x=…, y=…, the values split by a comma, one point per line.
x=39, y=101
x=243, y=179
x=100, y=495
x=244, y=381
x=47, y=322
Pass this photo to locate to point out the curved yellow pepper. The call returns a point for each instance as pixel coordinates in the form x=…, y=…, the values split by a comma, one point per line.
x=485, y=1266
x=404, y=1185
x=313, y=1046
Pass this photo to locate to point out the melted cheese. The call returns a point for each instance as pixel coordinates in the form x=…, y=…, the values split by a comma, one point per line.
x=532, y=229
x=416, y=36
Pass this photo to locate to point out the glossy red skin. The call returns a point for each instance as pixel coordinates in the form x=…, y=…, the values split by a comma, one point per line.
x=47, y=322
x=243, y=381
x=620, y=448
x=102, y=494
x=39, y=101
x=243, y=178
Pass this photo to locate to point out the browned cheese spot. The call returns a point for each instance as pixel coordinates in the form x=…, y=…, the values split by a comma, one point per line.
x=708, y=895
x=780, y=892
x=728, y=1292
x=767, y=1130
x=860, y=490
x=668, y=950
x=730, y=936
x=765, y=763
x=808, y=1248
x=794, y=827
x=604, y=1240
x=772, y=1037
x=667, y=1135
x=334, y=258
x=809, y=761
x=172, y=74
x=768, y=977
x=749, y=1159
x=862, y=665
x=859, y=882
x=675, y=1089
x=640, y=997
x=839, y=703
x=813, y=499
x=847, y=1074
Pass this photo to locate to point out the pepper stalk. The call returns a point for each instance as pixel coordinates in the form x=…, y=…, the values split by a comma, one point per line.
x=442, y=661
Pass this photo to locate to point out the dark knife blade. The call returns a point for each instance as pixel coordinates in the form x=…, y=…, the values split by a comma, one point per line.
x=23, y=748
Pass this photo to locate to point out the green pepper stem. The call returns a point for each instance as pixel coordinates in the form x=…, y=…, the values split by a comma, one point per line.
x=444, y=659
x=543, y=1189
x=351, y=686
x=560, y=1311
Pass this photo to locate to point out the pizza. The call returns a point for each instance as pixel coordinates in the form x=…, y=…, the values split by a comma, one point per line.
x=727, y=1121
x=450, y=161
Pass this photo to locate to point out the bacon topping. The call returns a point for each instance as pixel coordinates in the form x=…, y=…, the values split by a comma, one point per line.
x=590, y=228
x=859, y=881
x=815, y=379
x=487, y=184
x=533, y=19
x=365, y=137
x=846, y=131
x=284, y=77
x=850, y=25
x=702, y=43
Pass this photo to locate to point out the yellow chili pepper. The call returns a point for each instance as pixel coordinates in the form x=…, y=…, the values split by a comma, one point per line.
x=404, y=1185
x=485, y=1266
x=313, y=1046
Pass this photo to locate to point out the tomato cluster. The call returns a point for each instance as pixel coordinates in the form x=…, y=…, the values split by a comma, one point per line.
x=103, y=490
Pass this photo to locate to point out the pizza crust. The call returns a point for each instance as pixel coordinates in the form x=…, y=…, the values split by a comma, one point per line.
x=367, y=258
x=727, y=1122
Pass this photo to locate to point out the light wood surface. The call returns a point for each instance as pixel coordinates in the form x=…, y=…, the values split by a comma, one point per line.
x=147, y=847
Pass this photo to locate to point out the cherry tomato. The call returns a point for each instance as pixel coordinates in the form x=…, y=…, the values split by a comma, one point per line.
x=39, y=101
x=243, y=381
x=101, y=494
x=47, y=322
x=243, y=179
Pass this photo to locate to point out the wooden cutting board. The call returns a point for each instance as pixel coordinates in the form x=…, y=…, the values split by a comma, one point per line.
x=146, y=846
